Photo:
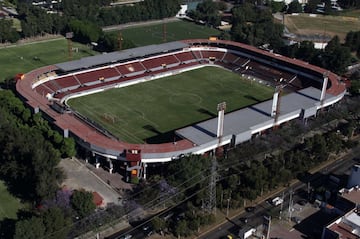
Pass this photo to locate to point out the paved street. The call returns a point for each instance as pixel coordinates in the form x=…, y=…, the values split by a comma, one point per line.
x=283, y=228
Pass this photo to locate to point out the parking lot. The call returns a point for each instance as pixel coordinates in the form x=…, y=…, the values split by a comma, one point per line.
x=80, y=175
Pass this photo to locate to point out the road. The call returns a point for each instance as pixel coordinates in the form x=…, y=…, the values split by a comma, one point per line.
x=255, y=218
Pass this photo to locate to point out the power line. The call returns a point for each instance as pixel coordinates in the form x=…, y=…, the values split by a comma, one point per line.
x=151, y=204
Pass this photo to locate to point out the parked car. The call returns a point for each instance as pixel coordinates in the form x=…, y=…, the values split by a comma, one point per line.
x=277, y=201
x=297, y=220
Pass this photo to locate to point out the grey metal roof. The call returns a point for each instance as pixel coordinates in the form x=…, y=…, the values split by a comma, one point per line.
x=252, y=117
x=108, y=58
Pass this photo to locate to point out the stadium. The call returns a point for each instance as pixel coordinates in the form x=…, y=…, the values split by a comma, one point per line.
x=48, y=90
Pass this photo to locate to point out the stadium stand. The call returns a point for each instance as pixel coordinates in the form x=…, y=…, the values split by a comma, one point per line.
x=160, y=62
x=218, y=55
x=184, y=56
x=123, y=68
x=43, y=90
x=95, y=75
x=67, y=81
x=231, y=58
x=197, y=55
x=132, y=68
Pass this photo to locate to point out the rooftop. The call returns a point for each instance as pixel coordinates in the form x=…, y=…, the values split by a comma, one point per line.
x=343, y=230
x=116, y=56
x=348, y=226
x=352, y=194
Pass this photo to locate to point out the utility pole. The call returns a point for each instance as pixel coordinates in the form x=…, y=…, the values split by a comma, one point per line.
x=228, y=205
x=290, y=204
x=281, y=206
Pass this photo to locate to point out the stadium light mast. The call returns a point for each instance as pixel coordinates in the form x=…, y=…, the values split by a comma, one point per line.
x=221, y=114
x=68, y=36
x=210, y=200
x=275, y=110
x=324, y=87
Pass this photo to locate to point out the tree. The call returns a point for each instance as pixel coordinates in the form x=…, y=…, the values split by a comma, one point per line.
x=181, y=229
x=277, y=6
x=311, y=6
x=84, y=31
x=337, y=57
x=32, y=228
x=294, y=7
x=254, y=26
x=158, y=224
x=7, y=32
x=355, y=83
x=352, y=40
x=57, y=225
x=82, y=202
x=306, y=51
x=207, y=11
x=68, y=148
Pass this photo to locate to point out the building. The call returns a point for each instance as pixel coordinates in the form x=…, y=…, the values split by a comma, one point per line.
x=354, y=179
x=346, y=226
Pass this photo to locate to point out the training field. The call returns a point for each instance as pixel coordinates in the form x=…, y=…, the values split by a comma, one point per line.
x=320, y=25
x=9, y=205
x=24, y=58
x=147, y=110
x=177, y=30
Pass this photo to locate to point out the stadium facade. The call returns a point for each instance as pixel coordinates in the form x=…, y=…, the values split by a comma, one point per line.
x=47, y=90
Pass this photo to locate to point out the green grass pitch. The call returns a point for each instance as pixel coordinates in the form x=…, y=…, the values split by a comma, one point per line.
x=142, y=111
x=178, y=30
x=23, y=58
x=9, y=205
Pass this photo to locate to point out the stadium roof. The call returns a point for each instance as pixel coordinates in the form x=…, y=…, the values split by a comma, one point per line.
x=251, y=117
x=113, y=57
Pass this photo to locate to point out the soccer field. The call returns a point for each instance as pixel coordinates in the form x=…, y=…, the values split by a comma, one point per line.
x=148, y=110
x=23, y=58
x=321, y=25
x=178, y=30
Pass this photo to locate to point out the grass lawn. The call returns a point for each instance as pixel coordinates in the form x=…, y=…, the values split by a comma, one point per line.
x=23, y=58
x=177, y=30
x=9, y=205
x=142, y=111
x=320, y=25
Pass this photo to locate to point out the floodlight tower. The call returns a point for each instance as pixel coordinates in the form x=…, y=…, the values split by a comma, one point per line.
x=68, y=36
x=221, y=114
x=275, y=109
x=324, y=86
